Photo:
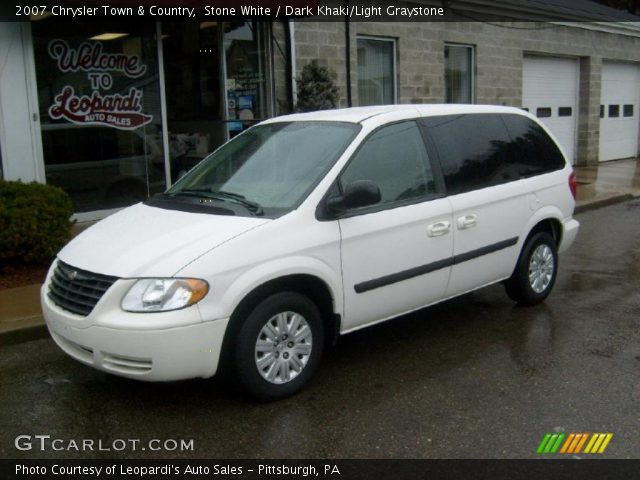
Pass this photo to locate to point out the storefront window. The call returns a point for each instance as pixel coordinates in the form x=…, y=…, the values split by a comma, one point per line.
x=215, y=85
x=99, y=99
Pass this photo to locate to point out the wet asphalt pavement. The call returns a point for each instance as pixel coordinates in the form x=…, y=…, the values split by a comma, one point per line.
x=475, y=377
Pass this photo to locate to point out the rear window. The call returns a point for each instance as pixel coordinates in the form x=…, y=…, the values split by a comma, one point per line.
x=534, y=150
x=474, y=150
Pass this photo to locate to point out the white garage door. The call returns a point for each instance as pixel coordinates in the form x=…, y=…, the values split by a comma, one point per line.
x=620, y=102
x=550, y=92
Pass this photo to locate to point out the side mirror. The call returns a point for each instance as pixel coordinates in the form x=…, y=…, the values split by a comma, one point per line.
x=361, y=193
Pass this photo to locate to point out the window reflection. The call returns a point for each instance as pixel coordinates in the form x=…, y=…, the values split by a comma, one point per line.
x=481, y=150
x=473, y=151
x=395, y=159
x=215, y=84
x=458, y=74
x=100, y=111
x=376, y=71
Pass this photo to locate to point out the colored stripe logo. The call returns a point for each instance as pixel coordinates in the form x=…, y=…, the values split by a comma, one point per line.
x=573, y=443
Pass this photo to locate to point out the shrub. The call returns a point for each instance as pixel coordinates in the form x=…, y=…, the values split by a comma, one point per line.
x=316, y=90
x=34, y=221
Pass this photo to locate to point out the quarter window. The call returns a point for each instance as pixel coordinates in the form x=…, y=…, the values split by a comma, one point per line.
x=458, y=73
x=395, y=159
x=530, y=144
x=474, y=151
x=376, y=71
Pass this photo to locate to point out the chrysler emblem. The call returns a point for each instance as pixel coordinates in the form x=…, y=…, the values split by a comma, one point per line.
x=72, y=275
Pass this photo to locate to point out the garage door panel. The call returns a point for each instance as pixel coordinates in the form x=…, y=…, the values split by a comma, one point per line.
x=620, y=87
x=552, y=83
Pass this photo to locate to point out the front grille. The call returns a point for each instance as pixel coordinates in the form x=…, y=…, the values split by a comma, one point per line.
x=75, y=290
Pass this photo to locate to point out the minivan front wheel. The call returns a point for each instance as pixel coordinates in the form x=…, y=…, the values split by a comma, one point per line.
x=535, y=273
x=278, y=348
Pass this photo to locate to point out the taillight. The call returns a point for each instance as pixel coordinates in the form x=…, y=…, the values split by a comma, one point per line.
x=573, y=185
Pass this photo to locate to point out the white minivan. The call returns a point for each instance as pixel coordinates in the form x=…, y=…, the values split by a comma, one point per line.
x=309, y=226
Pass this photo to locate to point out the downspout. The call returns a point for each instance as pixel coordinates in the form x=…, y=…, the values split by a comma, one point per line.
x=291, y=66
x=347, y=43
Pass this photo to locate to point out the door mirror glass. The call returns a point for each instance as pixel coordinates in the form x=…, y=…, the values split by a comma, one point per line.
x=361, y=193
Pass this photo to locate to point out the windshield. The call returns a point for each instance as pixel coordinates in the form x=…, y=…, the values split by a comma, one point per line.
x=270, y=167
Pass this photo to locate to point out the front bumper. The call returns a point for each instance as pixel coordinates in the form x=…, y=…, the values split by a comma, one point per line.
x=152, y=354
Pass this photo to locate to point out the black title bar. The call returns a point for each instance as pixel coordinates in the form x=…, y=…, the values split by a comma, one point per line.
x=323, y=469
x=319, y=10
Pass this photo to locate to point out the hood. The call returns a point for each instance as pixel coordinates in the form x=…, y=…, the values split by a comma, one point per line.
x=145, y=241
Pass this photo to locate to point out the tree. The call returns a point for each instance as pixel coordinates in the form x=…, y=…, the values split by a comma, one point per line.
x=316, y=89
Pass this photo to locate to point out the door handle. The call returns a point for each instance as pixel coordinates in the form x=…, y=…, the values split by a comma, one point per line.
x=438, y=228
x=467, y=221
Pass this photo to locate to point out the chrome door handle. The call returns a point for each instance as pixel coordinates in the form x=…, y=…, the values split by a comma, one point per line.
x=467, y=221
x=438, y=228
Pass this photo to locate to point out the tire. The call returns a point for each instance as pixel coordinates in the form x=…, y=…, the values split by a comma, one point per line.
x=535, y=272
x=279, y=346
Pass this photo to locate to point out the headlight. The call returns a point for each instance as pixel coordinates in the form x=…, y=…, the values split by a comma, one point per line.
x=164, y=294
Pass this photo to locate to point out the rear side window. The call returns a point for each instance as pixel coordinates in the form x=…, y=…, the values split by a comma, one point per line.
x=534, y=149
x=395, y=158
x=475, y=150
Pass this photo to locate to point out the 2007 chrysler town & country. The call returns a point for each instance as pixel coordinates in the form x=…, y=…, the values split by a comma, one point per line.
x=309, y=226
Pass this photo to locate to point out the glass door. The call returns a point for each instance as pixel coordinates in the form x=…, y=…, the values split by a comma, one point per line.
x=215, y=86
x=194, y=93
x=245, y=76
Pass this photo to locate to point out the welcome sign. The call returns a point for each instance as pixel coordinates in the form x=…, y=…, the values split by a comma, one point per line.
x=118, y=110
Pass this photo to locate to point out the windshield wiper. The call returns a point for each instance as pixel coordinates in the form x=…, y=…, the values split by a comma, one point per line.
x=253, y=207
x=250, y=205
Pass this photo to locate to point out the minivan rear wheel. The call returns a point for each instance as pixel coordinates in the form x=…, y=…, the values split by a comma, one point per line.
x=535, y=273
x=278, y=348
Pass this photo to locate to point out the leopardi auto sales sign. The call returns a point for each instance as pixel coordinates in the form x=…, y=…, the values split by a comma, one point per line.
x=120, y=110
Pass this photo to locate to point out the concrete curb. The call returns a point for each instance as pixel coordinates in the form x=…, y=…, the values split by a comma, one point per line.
x=36, y=332
x=603, y=202
x=23, y=334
